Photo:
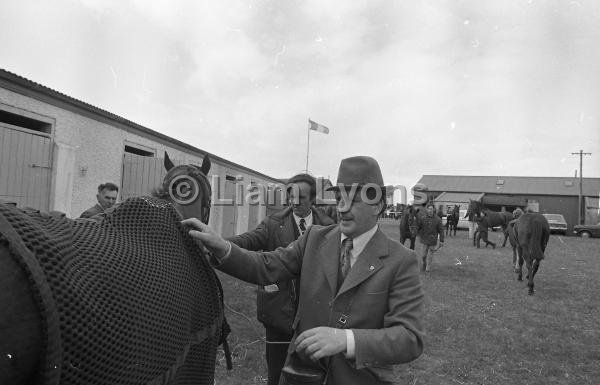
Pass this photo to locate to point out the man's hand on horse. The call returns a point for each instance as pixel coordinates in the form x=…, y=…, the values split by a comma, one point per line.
x=321, y=342
x=209, y=238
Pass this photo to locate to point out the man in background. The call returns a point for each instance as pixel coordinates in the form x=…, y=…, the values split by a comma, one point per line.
x=482, y=232
x=276, y=303
x=429, y=228
x=107, y=197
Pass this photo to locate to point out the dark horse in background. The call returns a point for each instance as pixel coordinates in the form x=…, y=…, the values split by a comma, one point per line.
x=531, y=232
x=490, y=218
x=123, y=297
x=452, y=220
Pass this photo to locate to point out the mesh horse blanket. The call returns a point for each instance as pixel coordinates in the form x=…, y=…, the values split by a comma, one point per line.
x=124, y=299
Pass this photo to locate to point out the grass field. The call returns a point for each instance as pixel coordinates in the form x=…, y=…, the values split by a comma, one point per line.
x=482, y=327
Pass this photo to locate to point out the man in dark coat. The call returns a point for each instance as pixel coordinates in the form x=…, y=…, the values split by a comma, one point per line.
x=107, y=197
x=429, y=228
x=276, y=303
x=361, y=304
x=408, y=226
x=482, y=232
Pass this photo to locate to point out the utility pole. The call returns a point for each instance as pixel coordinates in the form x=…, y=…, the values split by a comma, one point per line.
x=581, y=154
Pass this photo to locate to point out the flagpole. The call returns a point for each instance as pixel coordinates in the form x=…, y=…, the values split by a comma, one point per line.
x=307, y=145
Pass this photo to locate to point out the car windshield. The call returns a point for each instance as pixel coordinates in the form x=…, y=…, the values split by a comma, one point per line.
x=554, y=217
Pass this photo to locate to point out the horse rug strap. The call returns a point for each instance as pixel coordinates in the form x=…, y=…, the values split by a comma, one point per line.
x=130, y=293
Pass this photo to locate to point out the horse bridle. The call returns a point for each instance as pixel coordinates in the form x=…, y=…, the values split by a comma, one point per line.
x=204, y=184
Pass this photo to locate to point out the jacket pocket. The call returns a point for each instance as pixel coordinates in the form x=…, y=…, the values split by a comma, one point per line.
x=378, y=292
x=275, y=309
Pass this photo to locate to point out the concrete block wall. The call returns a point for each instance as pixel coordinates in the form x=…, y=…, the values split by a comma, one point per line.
x=88, y=152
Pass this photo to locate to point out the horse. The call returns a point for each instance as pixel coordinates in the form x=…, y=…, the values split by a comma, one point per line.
x=532, y=233
x=124, y=297
x=408, y=226
x=490, y=218
x=452, y=220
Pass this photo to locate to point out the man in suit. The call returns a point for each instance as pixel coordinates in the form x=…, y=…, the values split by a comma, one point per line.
x=107, y=197
x=276, y=303
x=361, y=304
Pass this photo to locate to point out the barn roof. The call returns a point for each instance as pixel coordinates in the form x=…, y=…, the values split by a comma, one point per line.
x=457, y=197
x=526, y=185
x=24, y=86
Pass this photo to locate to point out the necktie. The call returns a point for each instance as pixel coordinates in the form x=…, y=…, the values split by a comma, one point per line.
x=302, y=226
x=345, y=257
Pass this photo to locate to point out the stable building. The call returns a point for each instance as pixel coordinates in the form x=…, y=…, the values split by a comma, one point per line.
x=555, y=195
x=55, y=150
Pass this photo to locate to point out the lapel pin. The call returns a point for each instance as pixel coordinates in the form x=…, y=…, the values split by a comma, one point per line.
x=371, y=267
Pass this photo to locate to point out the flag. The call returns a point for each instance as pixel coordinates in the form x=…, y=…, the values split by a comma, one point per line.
x=318, y=127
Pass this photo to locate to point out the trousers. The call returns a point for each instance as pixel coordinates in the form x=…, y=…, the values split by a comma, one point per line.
x=276, y=353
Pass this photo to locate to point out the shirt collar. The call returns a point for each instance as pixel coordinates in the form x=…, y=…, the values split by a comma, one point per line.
x=359, y=243
x=308, y=220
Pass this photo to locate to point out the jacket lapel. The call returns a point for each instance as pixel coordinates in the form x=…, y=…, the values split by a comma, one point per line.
x=328, y=255
x=286, y=229
x=368, y=262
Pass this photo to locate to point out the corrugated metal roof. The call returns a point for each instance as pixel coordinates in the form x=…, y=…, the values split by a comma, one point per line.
x=455, y=197
x=511, y=184
x=19, y=84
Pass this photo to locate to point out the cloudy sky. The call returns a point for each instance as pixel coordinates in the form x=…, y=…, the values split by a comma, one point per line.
x=507, y=87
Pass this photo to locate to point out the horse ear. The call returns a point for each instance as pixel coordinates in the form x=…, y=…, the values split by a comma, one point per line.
x=205, y=164
x=168, y=164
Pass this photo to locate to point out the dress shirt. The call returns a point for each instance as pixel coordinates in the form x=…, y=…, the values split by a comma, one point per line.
x=308, y=220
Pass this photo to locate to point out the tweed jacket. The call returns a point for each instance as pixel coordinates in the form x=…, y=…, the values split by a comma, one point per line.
x=429, y=228
x=381, y=298
x=94, y=210
x=276, y=309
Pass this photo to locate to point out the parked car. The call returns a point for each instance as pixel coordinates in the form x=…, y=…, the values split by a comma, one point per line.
x=587, y=231
x=557, y=223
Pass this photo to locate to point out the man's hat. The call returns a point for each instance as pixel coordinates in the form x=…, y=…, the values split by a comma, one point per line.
x=360, y=170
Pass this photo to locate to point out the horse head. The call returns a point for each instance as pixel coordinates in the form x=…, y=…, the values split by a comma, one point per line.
x=187, y=187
